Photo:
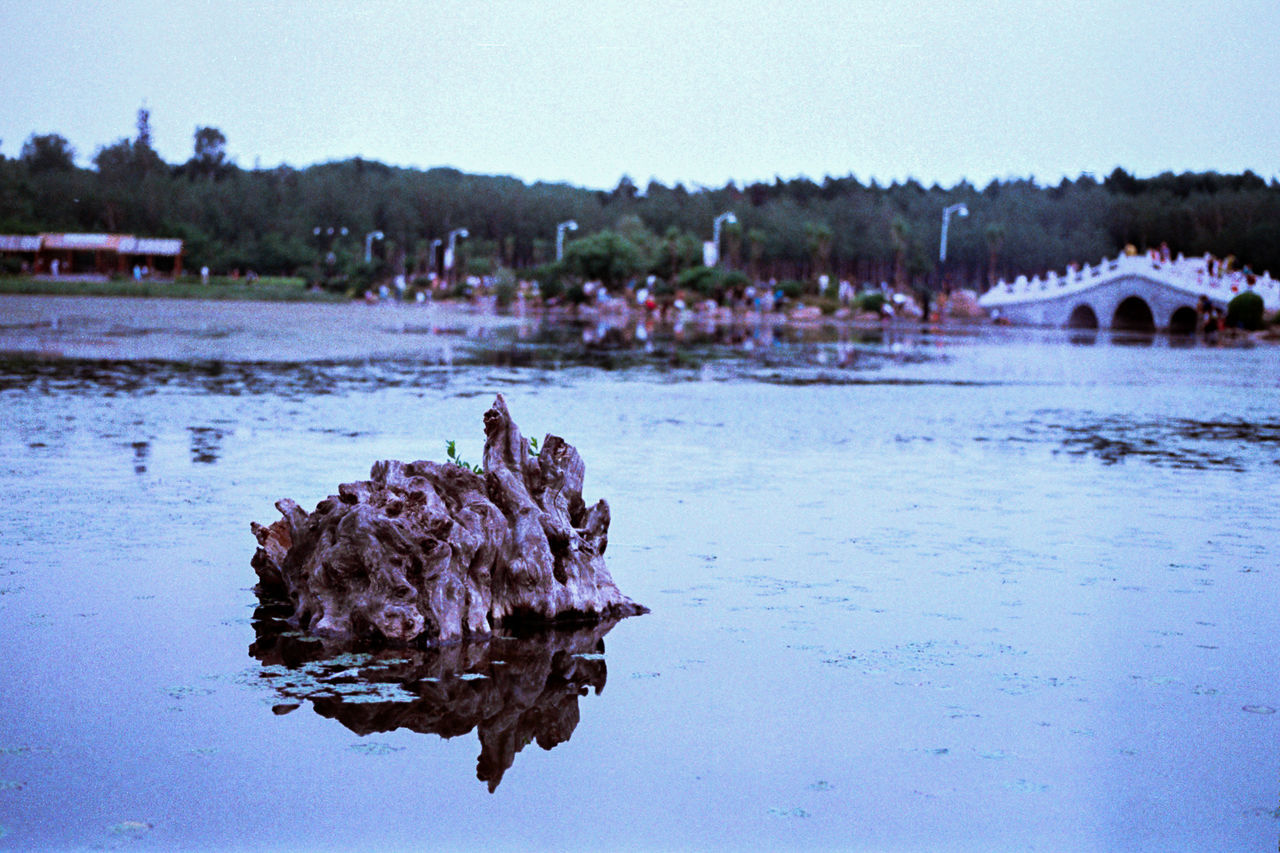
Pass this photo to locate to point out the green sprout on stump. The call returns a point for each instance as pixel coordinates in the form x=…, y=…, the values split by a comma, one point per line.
x=451, y=450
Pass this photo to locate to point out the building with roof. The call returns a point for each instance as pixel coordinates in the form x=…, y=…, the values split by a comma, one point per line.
x=94, y=254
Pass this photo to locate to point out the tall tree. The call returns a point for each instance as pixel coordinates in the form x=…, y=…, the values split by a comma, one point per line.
x=209, y=159
x=48, y=153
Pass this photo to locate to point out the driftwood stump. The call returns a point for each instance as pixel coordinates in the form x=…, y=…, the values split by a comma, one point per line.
x=433, y=552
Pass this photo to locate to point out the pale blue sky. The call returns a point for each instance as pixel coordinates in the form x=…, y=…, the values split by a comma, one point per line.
x=699, y=92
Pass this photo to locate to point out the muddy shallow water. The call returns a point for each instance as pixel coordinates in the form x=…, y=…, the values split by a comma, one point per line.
x=908, y=592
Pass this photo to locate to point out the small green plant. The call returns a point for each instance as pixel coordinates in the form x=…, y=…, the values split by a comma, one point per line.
x=451, y=450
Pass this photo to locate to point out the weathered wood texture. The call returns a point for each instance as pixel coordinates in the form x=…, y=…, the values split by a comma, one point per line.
x=434, y=552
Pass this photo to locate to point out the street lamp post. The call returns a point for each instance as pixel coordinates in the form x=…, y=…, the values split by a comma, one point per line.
x=729, y=217
x=567, y=225
x=960, y=209
x=368, y=244
x=435, y=252
x=331, y=232
x=449, y=252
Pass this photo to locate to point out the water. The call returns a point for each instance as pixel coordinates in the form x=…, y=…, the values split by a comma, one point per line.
x=915, y=592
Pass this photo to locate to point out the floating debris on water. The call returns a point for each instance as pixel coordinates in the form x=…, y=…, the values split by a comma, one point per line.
x=1023, y=786
x=130, y=828
x=796, y=812
x=822, y=785
x=1259, y=709
x=375, y=748
x=182, y=691
x=9, y=785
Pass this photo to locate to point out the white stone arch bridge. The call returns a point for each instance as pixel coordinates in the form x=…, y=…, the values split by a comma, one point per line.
x=1138, y=292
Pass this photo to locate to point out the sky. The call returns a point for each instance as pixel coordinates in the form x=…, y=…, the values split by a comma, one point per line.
x=701, y=93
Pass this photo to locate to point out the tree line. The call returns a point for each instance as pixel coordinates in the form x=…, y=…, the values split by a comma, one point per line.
x=314, y=221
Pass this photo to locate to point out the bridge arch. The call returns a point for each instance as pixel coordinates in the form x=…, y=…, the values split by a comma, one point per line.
x=1133, y=314
x=1183, y=320
x=1083, y=317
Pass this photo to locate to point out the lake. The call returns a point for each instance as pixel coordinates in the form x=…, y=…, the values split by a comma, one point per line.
x=910, y=590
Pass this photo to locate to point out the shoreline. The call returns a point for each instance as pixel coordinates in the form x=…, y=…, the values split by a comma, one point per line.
x=157, y=328
x=136, y=328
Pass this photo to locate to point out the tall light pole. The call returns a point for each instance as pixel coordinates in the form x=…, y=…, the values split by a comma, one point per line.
x=368, y=244
x=449, y=252
x=567, y=225
x=435, y=252
x=332, y=232
x=727, y=216
x=960, y=209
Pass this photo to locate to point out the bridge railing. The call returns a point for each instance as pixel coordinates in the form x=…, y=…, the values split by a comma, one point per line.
x=1195, y=276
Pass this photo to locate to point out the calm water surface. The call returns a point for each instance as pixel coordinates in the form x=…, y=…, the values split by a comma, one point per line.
x=907, y=593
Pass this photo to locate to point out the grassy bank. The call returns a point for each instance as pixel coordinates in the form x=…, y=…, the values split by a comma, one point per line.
x=267, y=289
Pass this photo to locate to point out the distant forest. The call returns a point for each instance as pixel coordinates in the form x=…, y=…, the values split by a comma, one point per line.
x=278, y=221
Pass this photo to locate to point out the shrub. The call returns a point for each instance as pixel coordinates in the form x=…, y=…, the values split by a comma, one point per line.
x=872, y=300
x=791, y=289
x=710, y=281
x=504, y=289
x=1245, y=311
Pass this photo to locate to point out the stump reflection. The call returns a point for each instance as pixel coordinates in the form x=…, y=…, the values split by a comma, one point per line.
x=513, y=688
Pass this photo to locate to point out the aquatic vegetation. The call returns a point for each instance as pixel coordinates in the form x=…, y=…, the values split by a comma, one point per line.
x=184, y=691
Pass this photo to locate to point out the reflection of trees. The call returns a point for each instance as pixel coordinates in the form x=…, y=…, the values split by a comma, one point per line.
x=513, y=689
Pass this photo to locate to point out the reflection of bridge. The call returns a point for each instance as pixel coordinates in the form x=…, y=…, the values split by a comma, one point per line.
x=1125, y=292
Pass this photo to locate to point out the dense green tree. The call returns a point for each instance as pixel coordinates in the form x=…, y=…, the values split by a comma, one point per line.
x=267, y=219
x=48, y=153
x=209, y=156
x=606, y=256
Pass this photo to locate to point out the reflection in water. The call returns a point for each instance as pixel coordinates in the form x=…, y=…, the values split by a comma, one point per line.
x=513, y=688
x=1083, y=337
x=205, y=444
x=141, y=452
x=1133, y=337
x=619, y=343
